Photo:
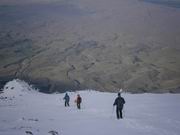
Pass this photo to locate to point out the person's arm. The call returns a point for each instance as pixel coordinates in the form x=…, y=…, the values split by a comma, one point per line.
x=115, y=102
x=124, y=101
x=80, y=100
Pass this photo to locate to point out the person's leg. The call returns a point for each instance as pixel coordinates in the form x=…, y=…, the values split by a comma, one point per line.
x=65, y=103
x=121, y=113
x=117, y=113
x=78, y=105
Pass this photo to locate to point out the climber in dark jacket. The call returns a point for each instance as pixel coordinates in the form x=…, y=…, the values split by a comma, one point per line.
x=119, y=102
x=66, y=99
x=78, y=101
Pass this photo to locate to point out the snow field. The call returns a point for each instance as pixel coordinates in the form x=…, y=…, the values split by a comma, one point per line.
x=24, y=111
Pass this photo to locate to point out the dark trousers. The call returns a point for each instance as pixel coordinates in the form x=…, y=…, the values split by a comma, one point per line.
x=66, y=103
x=119, y=113
x=79, y=105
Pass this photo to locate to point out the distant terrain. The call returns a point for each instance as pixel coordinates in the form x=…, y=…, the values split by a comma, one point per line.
x=105, y=45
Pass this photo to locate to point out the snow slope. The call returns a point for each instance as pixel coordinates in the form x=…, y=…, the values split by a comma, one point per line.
x=24, y=111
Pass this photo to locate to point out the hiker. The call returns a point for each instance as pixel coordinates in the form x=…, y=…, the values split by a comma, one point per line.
x=66, y=99
x=119, y=102
x=78, y=101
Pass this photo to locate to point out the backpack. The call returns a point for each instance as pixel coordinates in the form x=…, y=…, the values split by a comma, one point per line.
x=120, y=102
x=79, y=99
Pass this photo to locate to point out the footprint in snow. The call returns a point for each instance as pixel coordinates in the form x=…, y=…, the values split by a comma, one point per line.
x=29, y=133
x=52, y=132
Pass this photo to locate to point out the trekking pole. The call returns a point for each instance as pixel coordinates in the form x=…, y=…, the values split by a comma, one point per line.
x=123, y=112
x=112, y=112
x=113, y=109
x=124, y=106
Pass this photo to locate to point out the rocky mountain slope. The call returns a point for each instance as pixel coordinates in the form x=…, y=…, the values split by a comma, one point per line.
x=64, y=45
